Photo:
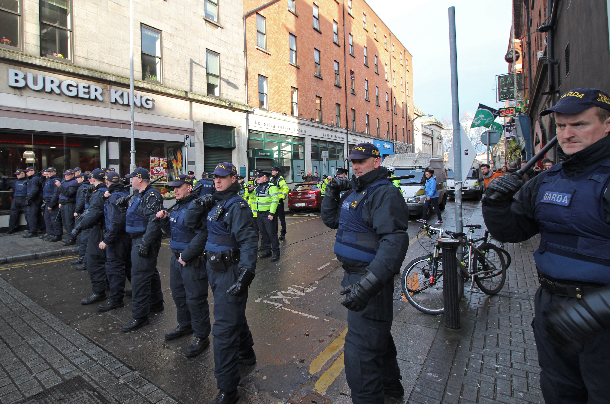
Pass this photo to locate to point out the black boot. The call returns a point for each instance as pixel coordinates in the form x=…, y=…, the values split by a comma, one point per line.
x=275, y=258
x=178, y=332
x=282, y=234
x=94, y=298
x=135, y=324
x=43, y=236
x=110, y=305
x=54, y=239
x=11, y=231
x=394, y=390
x=224, y=397
x=77, y=261
x=69, y=241
x=29, y=235
x=157, y=308
x=249, y=359
x=265, y=254
x=198, y=346
x=81, y=267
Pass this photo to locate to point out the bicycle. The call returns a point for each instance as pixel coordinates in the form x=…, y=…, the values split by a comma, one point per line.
x=422, y=278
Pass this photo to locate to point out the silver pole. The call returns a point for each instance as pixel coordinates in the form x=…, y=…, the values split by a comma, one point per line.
x=132, y=164
x=457, y=137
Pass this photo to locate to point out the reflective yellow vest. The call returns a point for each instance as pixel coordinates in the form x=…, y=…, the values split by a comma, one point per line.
x=266, y=198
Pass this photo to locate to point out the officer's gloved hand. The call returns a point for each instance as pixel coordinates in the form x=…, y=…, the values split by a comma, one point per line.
x=571, y=325
x=336, y=186
x=27, y=201
x=206, y=201
x=503, y=188
x=242, y=283
x=357, y=295
x=76, y=231
x=143, y=250
x=122, y=201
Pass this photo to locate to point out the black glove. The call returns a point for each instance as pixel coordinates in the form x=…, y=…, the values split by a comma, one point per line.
x=357, y=295
x=75, y=232
x=336, y=186
x=123, y=201
x=242, y=283
x=571, y=325
x=27, y=201
x=143, y=250
x=502, y=189
x=206, y=201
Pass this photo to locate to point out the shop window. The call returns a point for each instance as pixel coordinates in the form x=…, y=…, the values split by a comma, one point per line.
x=55, y=28
x=338, y=115
x=366, y=57
x=168, y=156
x=151, y=54
x=353, y=119
x=211, y=10
x=261, y=31
x=10, y=23
x=294, y=99
x=212, y=62
x=318, y=109
x=335, y=32
x=316, y=17
x=351, y=44
x=262, y=92
x=293, y=48
x=337, y=76
x=316, y=59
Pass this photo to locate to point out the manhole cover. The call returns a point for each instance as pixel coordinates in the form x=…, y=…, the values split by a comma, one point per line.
x=311, y=398
x=73, y=391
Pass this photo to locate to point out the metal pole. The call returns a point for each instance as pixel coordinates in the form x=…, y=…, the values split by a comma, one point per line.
x=132, y=164
x=488, y=134
x=457, y=136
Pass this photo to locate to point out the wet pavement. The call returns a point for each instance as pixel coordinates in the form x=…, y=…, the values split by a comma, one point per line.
x=296, y=319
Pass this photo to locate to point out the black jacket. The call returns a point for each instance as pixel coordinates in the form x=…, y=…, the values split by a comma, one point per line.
x=115, y=222
x=95, y=214
x=34, y=188
x=149, y=206
x=165, y=225
x=80, y=197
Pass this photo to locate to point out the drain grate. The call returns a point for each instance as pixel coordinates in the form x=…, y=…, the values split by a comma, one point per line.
x=312, y=398
x=74, y=391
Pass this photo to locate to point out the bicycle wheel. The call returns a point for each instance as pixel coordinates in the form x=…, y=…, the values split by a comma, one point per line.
x=490, y=268
x=422, y=284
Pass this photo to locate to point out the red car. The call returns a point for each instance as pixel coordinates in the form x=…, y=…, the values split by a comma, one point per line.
x=307, y=195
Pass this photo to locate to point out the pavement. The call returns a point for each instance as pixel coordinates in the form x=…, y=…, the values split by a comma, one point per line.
x=15, y=248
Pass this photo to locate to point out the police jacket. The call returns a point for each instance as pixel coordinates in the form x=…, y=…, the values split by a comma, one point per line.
x=266, y=198
x=114, y=215
x=142, y=208
x=95, y=213
x=34, y=188
x=206, y=187
x=67, y=191
x=180, y=234
x=81, y=194
x=281, y=185
x=570, y=206
x=20, y=187
x=377, y=227
x=49, y=189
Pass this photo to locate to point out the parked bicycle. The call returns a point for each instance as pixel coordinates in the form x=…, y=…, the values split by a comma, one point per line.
x=485, y=264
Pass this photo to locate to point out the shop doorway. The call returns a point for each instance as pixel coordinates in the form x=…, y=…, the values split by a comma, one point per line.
x=298, y=170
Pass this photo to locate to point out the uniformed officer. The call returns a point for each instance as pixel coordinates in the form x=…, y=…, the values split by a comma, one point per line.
x=342, y=172
x=265, y=204
x=52, y=214
x=391, y=171
x=569, y=206
x=67, y=199
x=188, y=277
x=94, y=219
x=279, y=181
x=191, y=174
x=230, y=251
x=116, y=242
x=83, y=194
x=325, y=181
x=145, y=234
x=206, y=186
x=371, y=244
x=33, y=200
x=18, y=204
x=243, y=190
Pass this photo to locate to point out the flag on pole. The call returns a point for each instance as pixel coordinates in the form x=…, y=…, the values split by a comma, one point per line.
x=498, y=127
x=484, y=116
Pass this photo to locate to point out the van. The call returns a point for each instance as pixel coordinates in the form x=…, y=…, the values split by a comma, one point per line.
x=472, y=186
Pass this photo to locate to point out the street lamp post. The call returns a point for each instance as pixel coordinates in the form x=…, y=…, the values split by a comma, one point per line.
x=132, y=163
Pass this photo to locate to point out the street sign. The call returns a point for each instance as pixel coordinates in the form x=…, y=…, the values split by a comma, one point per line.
x=506, y=86
x=324, y=154
x=494, y=137
x=187, y=141
x=510, y=111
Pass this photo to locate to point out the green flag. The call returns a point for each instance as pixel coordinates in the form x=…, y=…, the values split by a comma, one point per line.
x=498, y=127
x=484, y=117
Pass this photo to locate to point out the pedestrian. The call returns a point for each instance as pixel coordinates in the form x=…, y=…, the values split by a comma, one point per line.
x=18, y=205
x=188, y=278
x=371, y=244
x=67, y=199
x=567, y=206
x=145, y=234
x=94, y=219
x=342, y=173
x=315, y=177
x=504, y=170
x=431, y=197
x=50, y=197
x=33, y=201
x=265, y=205
x=309, y=177
x=116, y=242
x=83, y=194
x=191, y=175
x=488, y=175
x=279, y=181
x=243, y=190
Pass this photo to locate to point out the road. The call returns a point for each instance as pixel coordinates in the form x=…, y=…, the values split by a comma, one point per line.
x=294, y=313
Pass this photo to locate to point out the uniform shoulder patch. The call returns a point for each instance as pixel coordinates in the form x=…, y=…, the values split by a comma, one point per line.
x=243, y=204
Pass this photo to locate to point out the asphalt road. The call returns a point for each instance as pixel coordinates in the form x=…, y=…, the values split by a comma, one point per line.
x=294, y=313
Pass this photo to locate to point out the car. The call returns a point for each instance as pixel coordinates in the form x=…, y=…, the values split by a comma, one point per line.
x=472, y=186
x=306, y=195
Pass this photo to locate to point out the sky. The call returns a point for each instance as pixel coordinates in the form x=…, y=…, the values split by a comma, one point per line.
x=482, y=37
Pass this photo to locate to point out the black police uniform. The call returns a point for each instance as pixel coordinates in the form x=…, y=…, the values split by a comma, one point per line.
x=52, y=217
x=280, y=212
x=372, y=237
x=33, y=201
x=206, y=186
x=67, y=199
x=146, y=234
x=83, y=195
x=18, y=204
x=570, y=207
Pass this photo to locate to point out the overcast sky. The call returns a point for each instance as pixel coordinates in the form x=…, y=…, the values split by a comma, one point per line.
x=483, y=33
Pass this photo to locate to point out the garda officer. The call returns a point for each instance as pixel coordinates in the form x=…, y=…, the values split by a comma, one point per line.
x=570, y=208
x=391, y=172
x=116, y=242
x=371, y=244
x=67, y=198
x=325, y=181
x=342, y=173
x=279, y=181
x=230, y=251
x=51, y=211
x=191, y=175
x=94, y=219
x=188, y=279
x=82, y=203
x=206, y=185
x=265, y=204
x=18, y=204
x=243, y=190
x=145, y=234
x=33, y=200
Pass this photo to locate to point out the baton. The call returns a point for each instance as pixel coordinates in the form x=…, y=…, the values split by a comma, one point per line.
x=537, y=157
x=404, y=177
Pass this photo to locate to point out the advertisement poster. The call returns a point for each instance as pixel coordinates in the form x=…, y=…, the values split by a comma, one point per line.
x=174, y=157
x=158, y=168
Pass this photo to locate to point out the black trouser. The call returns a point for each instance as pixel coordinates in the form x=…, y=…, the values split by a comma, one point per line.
x=17, y=206
x=96, y=261
x=118, y=265
x=281, y=215
x=145, y=280
x=566, y=376
x=268, y=230
x=67, y=218
x=255, y=227
x=52, y=220
x=434, y=203
x=370, y=353
x=31, y=216
x=232, y=336
x=189, y=286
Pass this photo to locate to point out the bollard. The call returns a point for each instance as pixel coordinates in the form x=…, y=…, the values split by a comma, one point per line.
x=450, y=284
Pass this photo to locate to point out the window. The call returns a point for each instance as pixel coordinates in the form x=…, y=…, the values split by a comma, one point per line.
x=212, y=62
x=318, y=109
x=337, y=78
x=352, y=78
x=316, y=17
x=293, y=48
x=294, y=99
x=394, y=78
x=396, y=130
x=292, y=6
x=376, y=65
x=338, y=114
x=364, y=20
x=387, y=102
x=386, y=72
x=261, y=31
x=402, y=109
x=395, y=110
x=262, y=92
x=377, y=126
x=393, y=54
x=349, y=6
x=401, y=58
x=316, y=59
x=351, y=45
x=376, y=95
x=366, y=90
x=55, y=27
x=211, y=10
x=406, y=62
x=401, y=86
x=151, y=54
x=375, y=31
x=335, y=32
x=353, y=119
x=388, y=131
x=366, y=124
x=366, y=57
x=10, y=21
x=385, y=42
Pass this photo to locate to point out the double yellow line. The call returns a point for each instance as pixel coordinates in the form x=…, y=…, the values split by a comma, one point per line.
x=26, y=264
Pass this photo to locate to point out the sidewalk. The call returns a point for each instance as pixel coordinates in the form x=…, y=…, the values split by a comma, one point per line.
x=15, y=248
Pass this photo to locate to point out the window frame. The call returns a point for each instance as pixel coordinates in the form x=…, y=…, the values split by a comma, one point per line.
x=367, y=128
x=364, y=21
x=338, y=114
x=160, y=79
x=215, y=2
x=366, y=90
x=317, y=63
x=208, y=74
x=377, y=126
x=292, y=51
x=377, y=95
x=337, y=74
x=376, y=65
x=375, y=31
x=294, y=6
x=353, y=120
x=19, y=15
x=366, y=56
x=351, y=44
x=387, y=101
x=318, y=110
x=349, y=7
x=262, y=18
x=386, y=72
x=69, y=30
x=265, y=93
x=294, y=105
x=335, y=32
x=385, y=42
x=316, y=17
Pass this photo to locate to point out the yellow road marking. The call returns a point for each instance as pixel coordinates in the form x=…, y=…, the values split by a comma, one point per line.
x=330, y=351
x=328, y=378
x=301, y=221
x=25, y=264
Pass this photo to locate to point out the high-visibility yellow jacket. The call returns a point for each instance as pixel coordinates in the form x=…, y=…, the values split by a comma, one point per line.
x=395, y=182
x=281, y=185
x=266, y=198
x=323, y=186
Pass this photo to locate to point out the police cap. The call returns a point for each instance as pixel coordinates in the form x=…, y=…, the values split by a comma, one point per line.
x=68, y=172
x=342, y=171
x=139, y=172
x=579, y=100
x=181, y=179
x=364, y=151
x=19, y=171
x=224, y=169
x=51, y=170
x=98, y=174
x=113, y=177
x=263, y=174
x=275, y=168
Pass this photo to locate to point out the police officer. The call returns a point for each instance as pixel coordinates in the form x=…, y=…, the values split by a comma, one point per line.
x=116, y=242
x=52, y=213
x=569, y=206
x=230, y=251
x=77, y=171
x=279, y=181
x=191, y=174
x=18, y=204
x=371, y=244
x=391, y=171
x=94, y=219
x=266, y=202
x=243, y=190
x=206, y=185
x=67, y=198
x=188, y=277
x=33, y=200
x=342, y=172
x=145, y=234
x=83, y=194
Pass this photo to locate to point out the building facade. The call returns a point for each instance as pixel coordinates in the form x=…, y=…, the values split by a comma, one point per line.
x=323, y=76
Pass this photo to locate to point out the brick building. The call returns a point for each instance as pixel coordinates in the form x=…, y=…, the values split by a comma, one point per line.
x=322, y=75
